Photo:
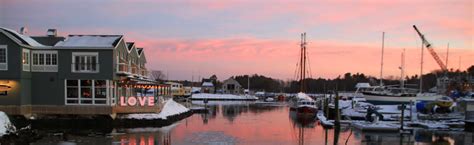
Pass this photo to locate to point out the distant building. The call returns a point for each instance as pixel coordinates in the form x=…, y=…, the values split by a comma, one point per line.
x=231, y=86
x=177, y=89
x=208, y=87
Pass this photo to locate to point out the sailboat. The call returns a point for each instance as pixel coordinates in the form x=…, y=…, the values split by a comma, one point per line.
x=302, y=103
x=389, y=95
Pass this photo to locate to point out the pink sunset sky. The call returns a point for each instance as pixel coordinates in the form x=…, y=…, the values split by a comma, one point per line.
x=226, y=38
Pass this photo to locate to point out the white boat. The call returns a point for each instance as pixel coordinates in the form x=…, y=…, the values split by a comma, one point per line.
x=303, y=104
x=379, y=95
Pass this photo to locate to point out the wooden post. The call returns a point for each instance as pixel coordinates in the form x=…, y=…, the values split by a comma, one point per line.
x=336, y=107
x=411, y=110
x=402, y=117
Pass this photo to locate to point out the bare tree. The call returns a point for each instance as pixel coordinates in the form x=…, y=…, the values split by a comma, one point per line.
x=157, y=75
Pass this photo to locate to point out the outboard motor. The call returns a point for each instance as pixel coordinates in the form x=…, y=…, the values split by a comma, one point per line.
x=371, y=110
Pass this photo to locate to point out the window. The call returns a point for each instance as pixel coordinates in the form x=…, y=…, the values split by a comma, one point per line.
x=26, y=60
x=85, y=62
x=100, y=91
x=41, y=59
x=45, y=61
x=89, y=92
x=35, y=59
x=54, y=59
x=3, y=57
x=72, y=92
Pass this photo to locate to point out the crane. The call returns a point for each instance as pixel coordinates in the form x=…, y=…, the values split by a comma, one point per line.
x=432, y=52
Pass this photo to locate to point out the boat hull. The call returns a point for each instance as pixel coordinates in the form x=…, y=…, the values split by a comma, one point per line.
x=388, y=100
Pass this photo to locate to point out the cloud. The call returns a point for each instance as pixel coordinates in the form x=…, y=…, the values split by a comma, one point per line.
x=278, y=58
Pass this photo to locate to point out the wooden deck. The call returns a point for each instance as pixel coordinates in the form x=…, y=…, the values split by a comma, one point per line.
x=77, y=109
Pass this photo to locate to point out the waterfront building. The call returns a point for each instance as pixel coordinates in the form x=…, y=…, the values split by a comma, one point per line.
x=177, y=89
x=231, y=86
x=207, y=87
x=77, y=74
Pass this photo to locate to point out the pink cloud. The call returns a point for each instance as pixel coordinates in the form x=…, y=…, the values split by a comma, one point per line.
x=277, y=58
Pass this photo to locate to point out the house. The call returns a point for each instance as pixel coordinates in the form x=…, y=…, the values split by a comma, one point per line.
x=231, y=86
x=208, y=87
x=177, y=89
x=72, y=75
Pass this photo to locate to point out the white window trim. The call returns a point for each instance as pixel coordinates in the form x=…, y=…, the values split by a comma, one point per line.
x=26, y=67
x=44, y=67
x=93, y=99
x=74, y=54
x=6, y=57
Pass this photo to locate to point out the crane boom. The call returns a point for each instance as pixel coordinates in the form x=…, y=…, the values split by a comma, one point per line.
x=431, y=50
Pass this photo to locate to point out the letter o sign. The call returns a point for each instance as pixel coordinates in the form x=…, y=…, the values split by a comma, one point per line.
x=132, y=101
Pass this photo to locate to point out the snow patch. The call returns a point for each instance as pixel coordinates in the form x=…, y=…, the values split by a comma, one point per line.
x=89, y=41
x=5, y=124
x=169, y=109
x=301, y=95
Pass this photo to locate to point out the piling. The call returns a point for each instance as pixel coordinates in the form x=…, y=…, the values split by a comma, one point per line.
x=336, y=107
x=402, y=117
x=411, y=110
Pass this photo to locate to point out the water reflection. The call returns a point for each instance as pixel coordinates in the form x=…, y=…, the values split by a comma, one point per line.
x=251, y=123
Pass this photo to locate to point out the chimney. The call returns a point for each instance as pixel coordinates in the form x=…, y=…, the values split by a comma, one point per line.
x=23, y=30
x=52, y=33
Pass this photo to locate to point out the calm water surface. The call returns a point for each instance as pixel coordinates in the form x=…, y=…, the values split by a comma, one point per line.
x=250, y=123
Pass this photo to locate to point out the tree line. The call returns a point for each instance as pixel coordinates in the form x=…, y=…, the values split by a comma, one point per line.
x=348, y=81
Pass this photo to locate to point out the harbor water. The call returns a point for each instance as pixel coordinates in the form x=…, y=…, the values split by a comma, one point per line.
x=249, y=123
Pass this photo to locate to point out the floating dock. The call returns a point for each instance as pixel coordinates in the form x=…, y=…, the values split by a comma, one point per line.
x=378, y=126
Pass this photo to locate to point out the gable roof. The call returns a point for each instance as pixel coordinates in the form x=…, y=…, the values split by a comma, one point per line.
x=140, y=50
x=91, y=41
x=22, y=39
x=231, y=81
x=130, y=45
x=207, y=84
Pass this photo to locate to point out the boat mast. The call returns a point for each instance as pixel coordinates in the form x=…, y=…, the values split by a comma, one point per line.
x=303, y=62
x=381, y=62
x=402, y=67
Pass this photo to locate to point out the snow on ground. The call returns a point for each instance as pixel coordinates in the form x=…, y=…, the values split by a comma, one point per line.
x=223, y=96
x=169, y=109
x=5, y=124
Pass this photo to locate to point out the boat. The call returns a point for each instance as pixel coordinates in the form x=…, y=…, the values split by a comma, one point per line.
x=388, y=95
x=302, y=103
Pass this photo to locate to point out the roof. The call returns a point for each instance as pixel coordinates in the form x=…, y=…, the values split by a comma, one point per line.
x=231, y=81
x=140, y=50
x=26, y=40
x=130, y=45
x=362, y=85
x=90, y=41
x=207, y=84
x=48, y=40
x=173, y=83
